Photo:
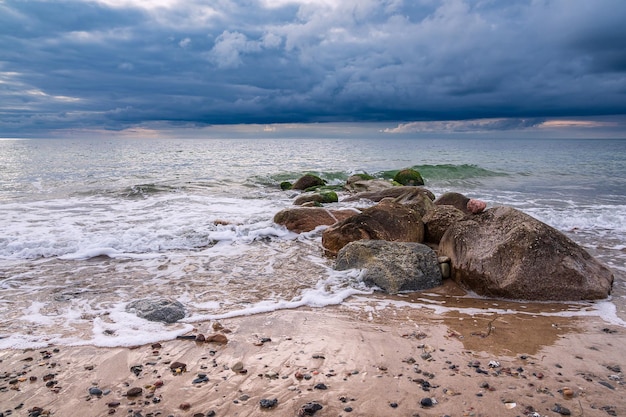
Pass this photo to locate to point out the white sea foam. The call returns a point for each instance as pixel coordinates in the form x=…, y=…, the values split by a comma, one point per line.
x=79, y=228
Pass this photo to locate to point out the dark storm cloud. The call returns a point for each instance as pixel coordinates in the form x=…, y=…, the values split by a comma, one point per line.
x=114, y=64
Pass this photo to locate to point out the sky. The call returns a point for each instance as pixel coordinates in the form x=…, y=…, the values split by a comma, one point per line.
x=281, y=67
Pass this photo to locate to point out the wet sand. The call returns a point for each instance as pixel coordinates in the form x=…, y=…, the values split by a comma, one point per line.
x=351, y=361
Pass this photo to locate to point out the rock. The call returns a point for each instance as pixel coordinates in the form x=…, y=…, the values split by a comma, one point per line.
x=437, y=221
x=408, y=176
x=218, y=338
x=561, y=410
x=324, y=197
x=459, y=201
x=309, y=409
x=308, y=181
x=237, y=367
x=305, y=219
x=392, y=266
x=476, y=206
x=426, y=402
x=163, y=310
x=445, y=269
x=506, y=253
x=387, y=220
x=265, y=403
x=361, y=176
x=357, y=184
x=285, y=185
x=178, y=366
x=134, y=392
x=95, y=391
x=404, y=194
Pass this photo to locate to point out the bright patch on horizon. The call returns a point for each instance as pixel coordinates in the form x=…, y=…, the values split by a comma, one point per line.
x=574, y=123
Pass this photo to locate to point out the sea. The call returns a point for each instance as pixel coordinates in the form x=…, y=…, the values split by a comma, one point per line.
x=89, y=225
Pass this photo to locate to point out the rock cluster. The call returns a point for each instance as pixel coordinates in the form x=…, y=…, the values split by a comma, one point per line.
x=409, y=240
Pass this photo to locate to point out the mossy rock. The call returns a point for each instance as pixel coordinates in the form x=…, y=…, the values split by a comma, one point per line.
x=363, y=176
x=408, y=176
x=329, y=197
x=324, y=188
x=316, y=197
x=285, y=185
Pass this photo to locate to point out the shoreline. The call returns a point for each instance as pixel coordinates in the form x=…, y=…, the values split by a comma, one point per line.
x=351, y=362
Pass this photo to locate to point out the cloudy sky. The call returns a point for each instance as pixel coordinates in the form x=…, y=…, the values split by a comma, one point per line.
x=401, y=66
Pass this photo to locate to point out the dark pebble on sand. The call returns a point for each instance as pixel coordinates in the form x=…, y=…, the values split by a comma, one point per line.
x=95, y=391
x=320, y=386
x=426, y=402
x=348, y=409
x=265, y=403
x=309, y=409
x=200, y=379
x=136, y=369
x=134, y=392
x=393, y=405
x=561, y=410
x=606, y=384
x=178, y=366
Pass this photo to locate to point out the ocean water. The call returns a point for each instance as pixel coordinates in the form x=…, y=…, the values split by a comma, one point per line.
x=87, y=226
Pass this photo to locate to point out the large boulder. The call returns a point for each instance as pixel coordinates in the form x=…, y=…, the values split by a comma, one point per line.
x=461, y=202
x=438, y=220
x=308, y=181
x=305, y=219
x=160, y=309
x=387, y=220
x=392, y=266
x=506, y=253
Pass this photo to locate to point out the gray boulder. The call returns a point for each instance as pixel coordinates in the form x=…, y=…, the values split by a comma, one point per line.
x=393, y=266
x=161, y=309
x=505, y=253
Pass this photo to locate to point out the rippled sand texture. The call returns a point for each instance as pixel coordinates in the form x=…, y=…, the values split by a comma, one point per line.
x=372, y=360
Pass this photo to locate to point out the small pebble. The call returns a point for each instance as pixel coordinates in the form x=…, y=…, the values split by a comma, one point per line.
x=265, y=403
x=426, y=402
x=561, y=410
x=309, y=409
x=134, y=392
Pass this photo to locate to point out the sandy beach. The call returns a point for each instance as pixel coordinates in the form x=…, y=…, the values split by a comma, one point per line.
x=340, y=361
